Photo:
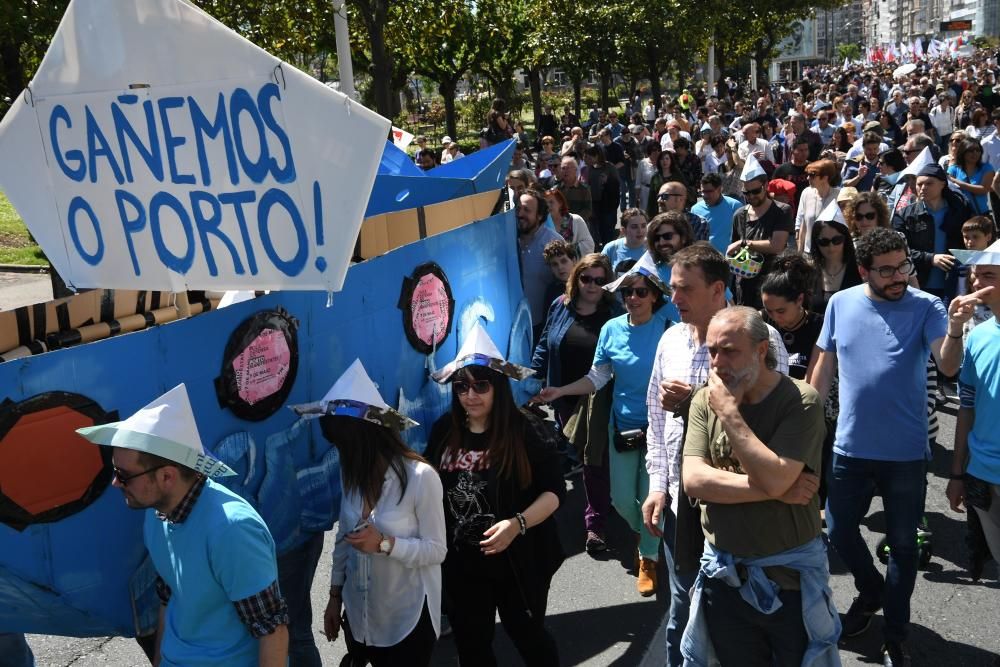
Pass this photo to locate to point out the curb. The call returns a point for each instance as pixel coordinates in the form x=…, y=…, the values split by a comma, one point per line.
x=25, y=268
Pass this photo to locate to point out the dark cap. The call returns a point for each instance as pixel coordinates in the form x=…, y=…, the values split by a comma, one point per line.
x=935, y=170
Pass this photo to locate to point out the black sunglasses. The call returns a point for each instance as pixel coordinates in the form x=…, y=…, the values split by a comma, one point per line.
x=123, y=480
x=461, y=387
x=641, y=292
x=664, y=236
x=753, y=193
x=836, y=240
x=597, y=280
x=866, y=216
x=663, y=196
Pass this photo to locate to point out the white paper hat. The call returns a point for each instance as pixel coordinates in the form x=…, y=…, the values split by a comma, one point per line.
x=976, y=257
x=752, y=169
x=166, y=428
x=644, y=267
x=833, y=213
x=922, y=160
x=706, y=127
x=355, y=395
x=479, y=350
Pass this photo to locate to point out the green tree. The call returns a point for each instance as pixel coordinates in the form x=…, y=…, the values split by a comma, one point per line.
x=440, y=39
x=26, y=28
x=563, y=35
x=849, y=52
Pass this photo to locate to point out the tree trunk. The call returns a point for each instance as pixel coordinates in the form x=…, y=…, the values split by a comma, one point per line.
x=653, y=72
x=447, y=90
x=577, y=95
x=605, y=83
x=375, y=15
x=535, y=82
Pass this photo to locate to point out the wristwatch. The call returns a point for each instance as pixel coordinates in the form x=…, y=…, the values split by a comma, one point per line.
x=385, y=546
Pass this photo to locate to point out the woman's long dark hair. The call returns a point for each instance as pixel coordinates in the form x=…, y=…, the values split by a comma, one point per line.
x=507, y=426
x=367, y=451
x=851, y=277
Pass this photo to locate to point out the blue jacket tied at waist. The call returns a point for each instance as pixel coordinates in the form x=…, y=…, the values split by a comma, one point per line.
x=819, y=616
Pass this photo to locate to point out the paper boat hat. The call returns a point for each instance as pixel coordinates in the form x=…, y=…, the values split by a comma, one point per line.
x=922, y=160
x=833, y=213
x=645, y=267
x=479, y=350
x=752, y=169
x=355, y=395
x=166, y=428
x=976, y=257
x=706, y=127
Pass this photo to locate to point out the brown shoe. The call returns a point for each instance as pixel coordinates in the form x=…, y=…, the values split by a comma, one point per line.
x=647, y=577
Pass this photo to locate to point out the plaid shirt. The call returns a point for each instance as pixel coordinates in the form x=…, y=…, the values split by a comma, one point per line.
x=262, y=613
x=679, y=357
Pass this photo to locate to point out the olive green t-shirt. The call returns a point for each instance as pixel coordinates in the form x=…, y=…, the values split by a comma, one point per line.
x=790, y=422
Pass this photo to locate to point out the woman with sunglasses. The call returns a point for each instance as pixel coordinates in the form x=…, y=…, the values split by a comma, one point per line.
x=822, y=176
x=563, y=355
x=386, y=582
x=833, y=253
x=864, y=212
x=502, y=482
x=972, y=175
x=625, y=350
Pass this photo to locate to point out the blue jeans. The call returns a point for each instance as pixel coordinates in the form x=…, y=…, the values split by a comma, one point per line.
x=295, y=577
x=680, y=589
x=14, y=651
x=852, y=484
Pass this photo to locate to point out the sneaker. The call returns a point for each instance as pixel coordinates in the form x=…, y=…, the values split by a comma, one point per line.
x=595, y=542
x=859, y=617
x=894, y=654
x=646, y=584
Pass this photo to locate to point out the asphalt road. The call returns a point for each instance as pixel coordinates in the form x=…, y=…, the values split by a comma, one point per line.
x=23, y=289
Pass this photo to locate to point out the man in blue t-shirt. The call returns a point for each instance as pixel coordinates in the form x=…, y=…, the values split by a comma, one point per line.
x=877, y=336
x=975, y=463
x=718, y=210
x=217, y=573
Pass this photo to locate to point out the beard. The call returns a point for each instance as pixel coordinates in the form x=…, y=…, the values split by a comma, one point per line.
x=746, y=376
x=882, y=292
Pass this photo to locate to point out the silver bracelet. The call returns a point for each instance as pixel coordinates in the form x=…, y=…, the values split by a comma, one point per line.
x=522, y=522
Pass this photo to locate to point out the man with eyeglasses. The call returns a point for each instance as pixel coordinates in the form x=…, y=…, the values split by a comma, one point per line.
x=673, y=197
x=217, y=573
x=877, y=337
x=931, y=225
x=717, y=209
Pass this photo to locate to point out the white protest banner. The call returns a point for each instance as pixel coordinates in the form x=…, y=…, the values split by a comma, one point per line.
x=157, y=149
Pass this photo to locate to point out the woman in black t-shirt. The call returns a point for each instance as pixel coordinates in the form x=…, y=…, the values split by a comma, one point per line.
x=502, y=481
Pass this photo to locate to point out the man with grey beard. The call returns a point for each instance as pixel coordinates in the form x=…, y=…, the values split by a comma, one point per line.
x=762, y=596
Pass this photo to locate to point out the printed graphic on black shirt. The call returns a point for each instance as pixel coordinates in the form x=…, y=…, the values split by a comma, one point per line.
x=467, y=503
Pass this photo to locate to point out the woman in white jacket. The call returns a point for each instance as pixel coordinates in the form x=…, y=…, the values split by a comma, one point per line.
x=386, y=581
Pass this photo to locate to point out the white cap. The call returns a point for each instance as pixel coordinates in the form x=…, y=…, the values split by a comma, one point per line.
x=355, y=395
x=752, y=169
x=480, y=350
x=832, y=213
x=646, y=266
x=166, y=428
x=989, y=256
x=445, y=140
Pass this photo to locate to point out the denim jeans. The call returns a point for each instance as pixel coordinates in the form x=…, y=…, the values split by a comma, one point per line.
x=14, y=651
x=295, y=577
x=680, y=592
x=853, y=482
x=745, y=637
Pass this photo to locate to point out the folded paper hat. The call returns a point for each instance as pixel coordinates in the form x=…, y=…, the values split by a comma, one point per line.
x=752, y=169
x=924, y=158
x=989, y=256
x=832, y=213
x=706, y=127
x=166, y=428
x=644, y=267
x=479, y=350
x=355, y=395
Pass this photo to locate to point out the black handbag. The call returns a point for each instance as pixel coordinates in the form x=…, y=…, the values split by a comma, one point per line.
x=630, y=440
